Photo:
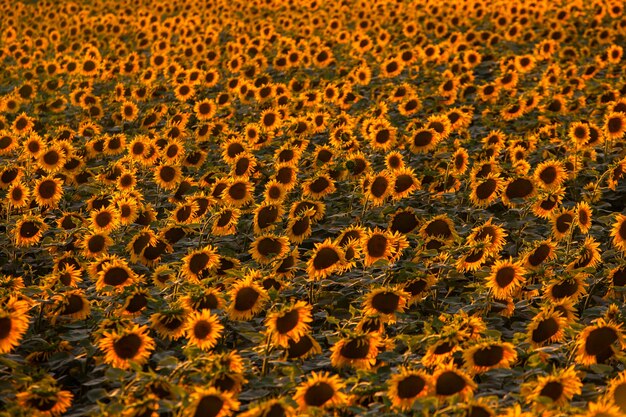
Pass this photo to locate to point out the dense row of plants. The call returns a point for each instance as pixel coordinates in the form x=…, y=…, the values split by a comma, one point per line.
x=272, y=208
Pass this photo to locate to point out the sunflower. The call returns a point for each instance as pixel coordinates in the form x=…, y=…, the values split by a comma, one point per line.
x=135, y=303
x=52, y=159
x=167, y=176
x=45, y=401
x=23, y=124
x=599, y=342
x=616, y=391
x=210, y=402
x=358, y=351
x=385, y=302
x=505, y=278
x=72, y=304
x=460, y=161
x=268, y=247
x=440, y=227
x=299, y=227
x=305, y=347
x=418, y=288
x=493, y=235
x=128, y=209
x=542, y=252
x=615, y=125
x=423, y=140
x=127, y=346
x=550, y=174
x=13, y=324
x=226, y=220
x=268, y=408
x=169, y=324
x=200, y=262
x=472, y=260
x=326, y=259
x=558, y=387
x=602, y=408
x=382, y=135
x=562, y=223
x=406, y=386
x=115, y=274
x=104, y=220
x=404, y=183
x=205, y=109
x=448, y=381
x=320, y=390
x=517, y=189
x=318, y=187
x=29, y=229
x=403, y=221
x=238, y=192
x=8, y=142
x=618, y=232
x=287, y=266
x=247, y=298
x=566, y=286
x=442, y=350
x=48, y=191
x=548, y=202
x=486, y=355
x=203, y=329
x=486, y=191
x=588, y=255
x=290, y=323
x=546, y=327
x=377, y=187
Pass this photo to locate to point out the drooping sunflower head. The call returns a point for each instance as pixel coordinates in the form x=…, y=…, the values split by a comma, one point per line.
x=487, y=355
x=247, y=298
x=386, y=302
x=547, y=326
x=326, y=259
x=599, y=342
x=211, y=402
x=268, y=247
x=407, y=386
x=320, y=390
x=358, y=351
x=558, y=388
x=448, y=381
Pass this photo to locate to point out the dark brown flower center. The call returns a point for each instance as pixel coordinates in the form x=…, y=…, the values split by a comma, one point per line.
x=519, y=188
x=505, y=276
x=449, y=383
x=411, y=386
x=74, y=304
x=246, y=299
x=209, y=406
x=325, y=258
x=116, y=276
x=600, y=340
x=545, y=330
x=488, y=356
x=287, y=321
x=127, y=346
x=552, y=390
x=201, y=329
x=386, y=302
x=318, y=394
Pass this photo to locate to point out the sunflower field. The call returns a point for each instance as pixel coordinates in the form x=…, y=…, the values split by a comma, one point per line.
x=281, y=208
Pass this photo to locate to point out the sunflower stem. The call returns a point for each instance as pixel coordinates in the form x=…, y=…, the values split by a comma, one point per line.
x=266, y=355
